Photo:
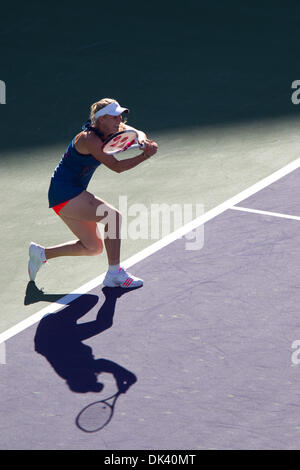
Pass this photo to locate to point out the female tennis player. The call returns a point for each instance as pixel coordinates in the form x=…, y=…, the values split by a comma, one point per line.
x=79, y=209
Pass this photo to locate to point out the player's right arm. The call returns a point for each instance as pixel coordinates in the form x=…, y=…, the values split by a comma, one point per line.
x=93, y=146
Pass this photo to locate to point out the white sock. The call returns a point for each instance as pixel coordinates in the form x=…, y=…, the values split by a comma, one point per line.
x=114, y=268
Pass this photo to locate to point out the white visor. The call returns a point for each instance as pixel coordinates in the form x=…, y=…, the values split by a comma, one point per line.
x=113, y=109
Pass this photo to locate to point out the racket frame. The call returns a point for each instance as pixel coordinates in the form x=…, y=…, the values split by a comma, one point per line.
x=104, y=401
x=132, y=144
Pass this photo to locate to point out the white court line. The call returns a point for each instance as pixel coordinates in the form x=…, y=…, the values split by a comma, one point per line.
x=54, y=307
x=273, y=214
x=2, y=353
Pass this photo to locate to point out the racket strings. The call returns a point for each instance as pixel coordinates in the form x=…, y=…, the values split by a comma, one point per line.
x=120, y=142
x=94, y=417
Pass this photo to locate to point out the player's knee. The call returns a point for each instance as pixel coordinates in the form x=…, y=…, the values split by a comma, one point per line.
x=98, y=249
x=95, y=249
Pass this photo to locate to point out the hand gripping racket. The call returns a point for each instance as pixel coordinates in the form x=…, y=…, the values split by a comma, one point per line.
x=97, y=415
x=120, y=142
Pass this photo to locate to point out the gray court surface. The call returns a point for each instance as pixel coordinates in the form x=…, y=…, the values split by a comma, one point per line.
x=208, y=338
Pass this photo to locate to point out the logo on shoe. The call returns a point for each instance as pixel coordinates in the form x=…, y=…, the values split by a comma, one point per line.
x=128, y=282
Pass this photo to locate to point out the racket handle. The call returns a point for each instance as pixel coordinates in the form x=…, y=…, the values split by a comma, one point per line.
x=133, y=146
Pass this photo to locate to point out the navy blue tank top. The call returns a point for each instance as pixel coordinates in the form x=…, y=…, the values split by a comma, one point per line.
x=71, y=176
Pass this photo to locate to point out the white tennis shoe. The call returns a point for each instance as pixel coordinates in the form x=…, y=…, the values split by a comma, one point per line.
x=36, y=259
x=121, y=279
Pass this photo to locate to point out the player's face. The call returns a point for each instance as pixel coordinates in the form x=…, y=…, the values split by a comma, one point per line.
x=109, y=124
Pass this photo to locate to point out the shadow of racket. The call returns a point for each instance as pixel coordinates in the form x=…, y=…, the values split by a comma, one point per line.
x=97, y=415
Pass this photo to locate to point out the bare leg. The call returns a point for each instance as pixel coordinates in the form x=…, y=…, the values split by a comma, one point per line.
x=81, y=215
x=113, y=241
x=72, y=248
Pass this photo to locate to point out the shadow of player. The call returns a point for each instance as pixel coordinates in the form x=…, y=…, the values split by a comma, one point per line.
x=33, y=295
x=59, y=338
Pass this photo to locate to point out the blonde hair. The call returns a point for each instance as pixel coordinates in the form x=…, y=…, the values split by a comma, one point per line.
x=101, y=104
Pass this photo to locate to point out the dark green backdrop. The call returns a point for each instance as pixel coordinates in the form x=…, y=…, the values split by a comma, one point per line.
x=174, y=64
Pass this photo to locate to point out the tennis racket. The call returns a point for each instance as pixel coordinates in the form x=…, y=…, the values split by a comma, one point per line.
x=97, y=415
x=120, y=142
